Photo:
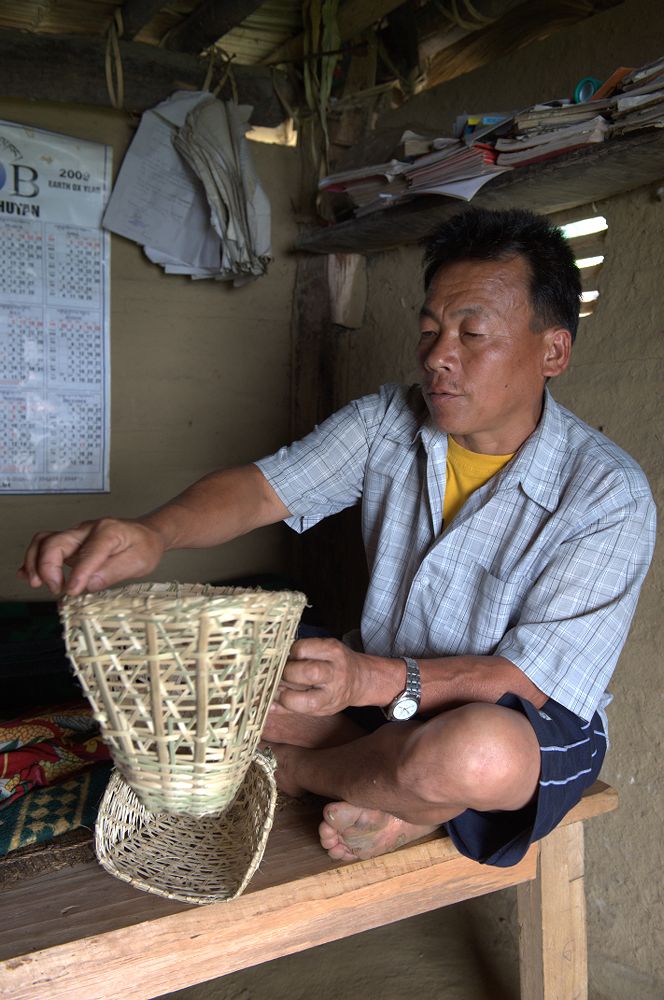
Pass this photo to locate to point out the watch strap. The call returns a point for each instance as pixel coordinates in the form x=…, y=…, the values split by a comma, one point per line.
x=413, y=683
x=412, y=690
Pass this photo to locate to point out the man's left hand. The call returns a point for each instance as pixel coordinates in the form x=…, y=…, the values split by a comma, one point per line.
x=321, y=677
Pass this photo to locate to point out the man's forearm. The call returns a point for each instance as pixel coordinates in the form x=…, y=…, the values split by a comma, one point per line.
x=216, y=509
x=450, y=681
x=462, y=679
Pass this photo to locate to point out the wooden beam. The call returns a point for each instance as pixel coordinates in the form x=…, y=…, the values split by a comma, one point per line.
x=137, y=13
x=207, y=23
x=354, y=18
x=70, y=69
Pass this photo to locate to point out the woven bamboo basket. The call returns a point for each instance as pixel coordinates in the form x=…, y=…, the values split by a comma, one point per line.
x=180, y=678
x=197, y=859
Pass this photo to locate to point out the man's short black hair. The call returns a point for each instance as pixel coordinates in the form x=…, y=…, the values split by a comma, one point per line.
x=480, y=234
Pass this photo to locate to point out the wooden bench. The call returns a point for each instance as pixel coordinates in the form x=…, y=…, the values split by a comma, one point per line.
x=79, y=932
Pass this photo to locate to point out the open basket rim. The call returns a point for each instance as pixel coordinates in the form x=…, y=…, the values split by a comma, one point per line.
x=115, y=826
x=170, y=598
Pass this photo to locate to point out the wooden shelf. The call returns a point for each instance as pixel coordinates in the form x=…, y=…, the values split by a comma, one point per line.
x=567, y=181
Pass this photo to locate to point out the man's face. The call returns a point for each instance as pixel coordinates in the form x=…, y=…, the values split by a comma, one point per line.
x=483, y=368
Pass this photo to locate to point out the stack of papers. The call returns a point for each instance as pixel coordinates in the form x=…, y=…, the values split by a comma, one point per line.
x=536, y=146
x=453, y=168
x=641, y=103
x=542, y=118
x=450, y=168
x=187, y=191
x=487, y=144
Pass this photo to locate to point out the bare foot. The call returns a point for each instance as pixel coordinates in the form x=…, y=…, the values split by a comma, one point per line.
x=349, y=833
x=313, y=731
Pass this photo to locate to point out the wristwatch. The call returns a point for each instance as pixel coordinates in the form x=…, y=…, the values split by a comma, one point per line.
x=406, y=704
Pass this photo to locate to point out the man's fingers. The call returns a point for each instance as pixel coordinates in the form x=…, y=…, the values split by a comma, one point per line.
x=46, y=555
x=99, y=553
x=314, y=649
x=90, y=561
x=295, y=687
x=306, y=673
x=109, y=555
x=28, y=569
x=314, y=701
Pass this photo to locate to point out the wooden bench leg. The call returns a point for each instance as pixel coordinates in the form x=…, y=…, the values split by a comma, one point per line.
x=553, y=949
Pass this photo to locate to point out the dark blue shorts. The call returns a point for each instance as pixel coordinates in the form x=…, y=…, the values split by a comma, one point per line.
x=571, y=751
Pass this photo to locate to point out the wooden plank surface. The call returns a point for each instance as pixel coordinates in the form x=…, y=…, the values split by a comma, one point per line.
x=83, y=931
x=176, y=951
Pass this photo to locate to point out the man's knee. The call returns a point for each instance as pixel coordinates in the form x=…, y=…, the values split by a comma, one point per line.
x=479, y=756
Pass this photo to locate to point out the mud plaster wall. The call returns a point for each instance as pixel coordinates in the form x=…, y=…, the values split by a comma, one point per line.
x=616, y=382
x=200, y=377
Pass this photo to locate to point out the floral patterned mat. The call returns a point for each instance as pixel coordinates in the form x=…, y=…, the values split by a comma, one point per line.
x=53, y=771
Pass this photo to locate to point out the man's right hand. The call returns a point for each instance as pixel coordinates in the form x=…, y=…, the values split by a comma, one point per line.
x=216, y=509
x=99, y=554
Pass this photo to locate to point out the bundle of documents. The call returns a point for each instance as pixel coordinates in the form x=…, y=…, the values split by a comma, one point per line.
x=641, y=101
x=629, y=100
x=187, y=191
x=450, y=168
x=533, y=146
x=556, y=115
x=486, y=144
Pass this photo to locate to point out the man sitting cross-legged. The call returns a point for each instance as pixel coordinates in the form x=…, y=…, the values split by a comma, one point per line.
x=506, y=541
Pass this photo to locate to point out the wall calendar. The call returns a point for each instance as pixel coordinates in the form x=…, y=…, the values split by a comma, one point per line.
x=54, y=313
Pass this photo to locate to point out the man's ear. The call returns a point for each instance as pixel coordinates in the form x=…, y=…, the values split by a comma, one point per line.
x=557, y=351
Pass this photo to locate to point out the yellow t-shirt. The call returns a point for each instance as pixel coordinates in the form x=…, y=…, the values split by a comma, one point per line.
x=466, y=472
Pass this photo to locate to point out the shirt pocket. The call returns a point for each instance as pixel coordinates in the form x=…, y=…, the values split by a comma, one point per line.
x=494, y=610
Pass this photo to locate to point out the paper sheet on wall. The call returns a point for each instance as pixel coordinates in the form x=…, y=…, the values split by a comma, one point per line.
x=188, y=192
x=54, y=313
x=157, y=200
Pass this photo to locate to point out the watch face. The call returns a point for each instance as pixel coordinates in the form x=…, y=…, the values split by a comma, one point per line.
x=404, y=709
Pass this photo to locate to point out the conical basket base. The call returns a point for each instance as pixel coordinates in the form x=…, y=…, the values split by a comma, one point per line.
x=180, y=678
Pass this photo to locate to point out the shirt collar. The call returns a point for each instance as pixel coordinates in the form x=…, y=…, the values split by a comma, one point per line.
x=539, y=462
x=537, y=465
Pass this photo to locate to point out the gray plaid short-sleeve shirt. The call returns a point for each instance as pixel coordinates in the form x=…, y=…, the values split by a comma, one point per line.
x=542, y=565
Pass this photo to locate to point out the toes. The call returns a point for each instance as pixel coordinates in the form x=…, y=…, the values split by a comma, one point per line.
x=332, y=842
x=329, y=837
x=341, y=815
x=341, y=853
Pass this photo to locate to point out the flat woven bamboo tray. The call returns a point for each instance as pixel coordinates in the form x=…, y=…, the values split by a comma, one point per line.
x=180, y=678
x=197, y=859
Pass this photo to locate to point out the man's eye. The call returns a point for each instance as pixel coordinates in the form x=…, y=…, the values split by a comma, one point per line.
x=428, y=333
x=471, y=333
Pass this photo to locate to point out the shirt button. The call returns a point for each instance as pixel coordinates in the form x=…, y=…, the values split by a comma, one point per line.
x=424, y=581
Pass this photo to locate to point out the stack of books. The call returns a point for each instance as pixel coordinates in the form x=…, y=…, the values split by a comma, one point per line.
x=368, y=188
x=547, y=130
x=487, y=144
x=640, y=103
x=449, y=167
x=535, y=145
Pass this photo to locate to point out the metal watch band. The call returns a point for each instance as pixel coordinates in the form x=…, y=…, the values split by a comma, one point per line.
x=413, y=683
x=410, y=694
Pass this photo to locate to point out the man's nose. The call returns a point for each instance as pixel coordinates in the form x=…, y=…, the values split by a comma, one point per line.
x=441, y=354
